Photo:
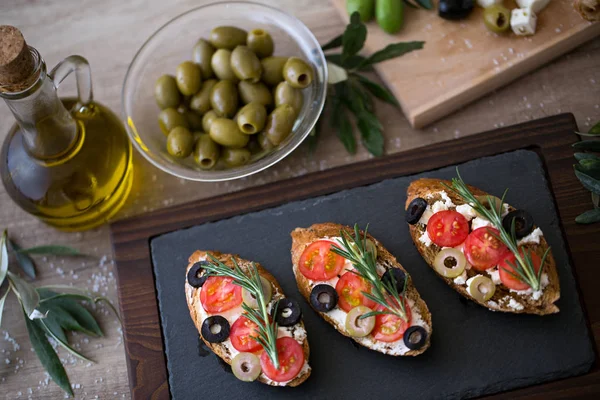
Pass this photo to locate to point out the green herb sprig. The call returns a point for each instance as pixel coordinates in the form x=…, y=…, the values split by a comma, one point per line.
x=383, y=293
x=523, y=269
x=350, y=91
x=267, y=331
x=587, y=171
x=48, y=313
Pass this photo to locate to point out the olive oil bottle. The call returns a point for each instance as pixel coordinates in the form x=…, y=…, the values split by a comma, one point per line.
x=67, y=162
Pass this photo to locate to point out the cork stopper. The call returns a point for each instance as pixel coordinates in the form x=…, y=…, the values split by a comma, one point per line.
x=16, y=63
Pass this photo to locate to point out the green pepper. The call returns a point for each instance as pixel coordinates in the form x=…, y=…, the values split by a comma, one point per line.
x=365, y=8
x=390, y=15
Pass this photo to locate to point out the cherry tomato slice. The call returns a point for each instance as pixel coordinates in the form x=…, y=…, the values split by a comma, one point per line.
x=241, y=335
x=291, y=360
x=219, y=294
x=483, y=250
x=510, y=281
x=388, y=327
x=447, y=228
x=349, y=289
x=319, y=263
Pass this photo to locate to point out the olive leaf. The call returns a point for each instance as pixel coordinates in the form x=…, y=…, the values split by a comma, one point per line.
x=350, y=63
x=586, y=156
x=591, y=145
x=353, y=38
x=589, y=167
x=24, y=261
x=589, y=217
x=67, y=302
x=587, y=181
x=26, y=294
x=62, y=342
x=53, y=250
x=83, y=295
x=3, y=257
x=594, y=131
x=333, y=43
x=370, y=129
x=426, y=4
x=47, y=356
x=2, y=301
x=596, y=200
x=391, y=51
x=377, y=90
x=53, y=325
x=340, y=120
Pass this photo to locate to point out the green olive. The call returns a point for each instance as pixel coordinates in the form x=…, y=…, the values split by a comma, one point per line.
x=227, y=37
x=221, y=65
x=208, y=119
x=202, y=55
x=206, y=152
x=285, y=94
x=170, y=118
x=224, y=99
x=390, y=15
x=261, y=43
x=246, y=367
x=297, y=73
x=235, y=157
x=264, y=142
x=481, y=288
x=226, y=133
x=188, y=77
x=198, y=134
x=267, y=288
x=280, y=123
x=255, y=92
x=497, y=18
x=245, y=64
x=450, y=262
x=166, y=92
x=200, y=102
x=251, y=118
x=194, y=120
x=359, y=327
x=272, y=70
x=180, y=142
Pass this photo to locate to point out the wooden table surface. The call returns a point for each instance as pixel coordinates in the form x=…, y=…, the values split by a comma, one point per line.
x=108, y=33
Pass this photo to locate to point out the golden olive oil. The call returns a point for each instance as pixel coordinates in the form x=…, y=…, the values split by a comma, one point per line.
x=81, y=188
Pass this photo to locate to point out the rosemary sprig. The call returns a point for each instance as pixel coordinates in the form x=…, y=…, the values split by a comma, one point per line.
x=267, y=331
x=365, y=264
x=523, y=269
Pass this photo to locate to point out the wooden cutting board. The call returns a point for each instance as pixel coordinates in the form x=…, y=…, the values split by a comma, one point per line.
x=463, y=61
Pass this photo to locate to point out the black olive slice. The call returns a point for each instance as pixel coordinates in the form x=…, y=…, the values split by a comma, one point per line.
x=455, y=9
x=415, y=337
x=323, y=298
x=215, y=329
x=193, y=275
x=415, y=210
x=287, y=312
x=523, y=223
x=398, y=277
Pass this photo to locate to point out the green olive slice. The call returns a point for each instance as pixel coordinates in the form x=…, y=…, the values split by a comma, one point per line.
x=485, y=201
x=450, y=263
x=249, y=298
x=246, y=367
x=359, y=327
x=481, y=288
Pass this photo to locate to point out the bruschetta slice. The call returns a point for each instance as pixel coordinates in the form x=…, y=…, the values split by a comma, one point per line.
x=485, y=249
x=229, y=299
x=357, y=286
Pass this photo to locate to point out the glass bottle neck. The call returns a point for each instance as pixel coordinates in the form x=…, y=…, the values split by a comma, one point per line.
x=48, y=129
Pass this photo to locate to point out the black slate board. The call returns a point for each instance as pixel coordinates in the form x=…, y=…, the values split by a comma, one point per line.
x=473, y=352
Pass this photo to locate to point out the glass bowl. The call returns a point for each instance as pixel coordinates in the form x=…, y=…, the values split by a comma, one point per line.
x=172, y=44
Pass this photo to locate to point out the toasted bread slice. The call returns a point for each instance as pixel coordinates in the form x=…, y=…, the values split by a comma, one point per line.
x=504, y=299
x=224, y=349
x=302, y=238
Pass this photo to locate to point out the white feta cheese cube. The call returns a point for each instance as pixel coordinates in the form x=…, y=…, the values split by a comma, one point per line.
x=534, y=5
x=523, y=21
x=488, y=3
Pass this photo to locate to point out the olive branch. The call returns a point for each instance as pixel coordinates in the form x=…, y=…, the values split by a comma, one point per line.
x=267, y=331
x=523, y=268
x=355, y=250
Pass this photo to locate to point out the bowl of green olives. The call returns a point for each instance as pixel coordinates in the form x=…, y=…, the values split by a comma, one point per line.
x=224, y=91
